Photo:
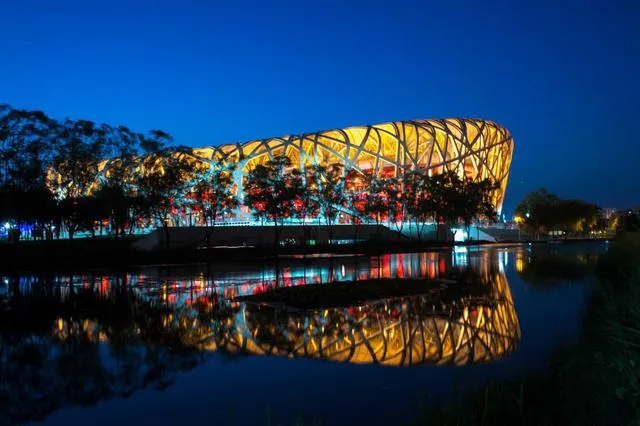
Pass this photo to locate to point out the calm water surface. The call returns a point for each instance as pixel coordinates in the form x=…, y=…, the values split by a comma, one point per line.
x=172, y=345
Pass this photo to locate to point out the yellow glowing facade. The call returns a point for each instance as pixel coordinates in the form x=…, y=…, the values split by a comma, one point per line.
x=473, y=148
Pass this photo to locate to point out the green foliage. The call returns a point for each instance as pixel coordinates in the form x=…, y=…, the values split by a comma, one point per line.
x=213, y=195
x=541, y=212
x=28, y=140
x=447, y=198
x=49, y=171
x=164, y=178
x=377, y=198
x=271, y=190
x=327, y=188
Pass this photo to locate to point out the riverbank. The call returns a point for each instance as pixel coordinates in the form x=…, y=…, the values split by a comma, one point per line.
x=594, y=381
x=92, y=253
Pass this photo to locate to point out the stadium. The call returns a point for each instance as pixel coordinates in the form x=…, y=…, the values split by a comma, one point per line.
x=474, y=148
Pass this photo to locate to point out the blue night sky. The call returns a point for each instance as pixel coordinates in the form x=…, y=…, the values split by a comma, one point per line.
x=562, y=76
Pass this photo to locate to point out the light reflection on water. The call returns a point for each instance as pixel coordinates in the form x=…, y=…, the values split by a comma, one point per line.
x=118, y=334
x=476, y=328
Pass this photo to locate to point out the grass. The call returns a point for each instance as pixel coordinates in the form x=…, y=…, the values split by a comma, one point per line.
x=595, y=381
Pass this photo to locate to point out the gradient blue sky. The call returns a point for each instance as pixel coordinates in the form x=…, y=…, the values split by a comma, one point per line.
x=562, y=76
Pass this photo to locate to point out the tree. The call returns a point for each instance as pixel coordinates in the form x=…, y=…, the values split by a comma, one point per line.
x=75, y=167
x=626, y=221
x=69, y=160
x=376, y=200
x=270, y=194
x=396, y=204
x=306, y=203
x=355, y=184
x=35, y=206
x=419, y=205
x=116, y=204
x=328, y=189
x=474, y=201
x=535, y=213
x=541, y=212
x=444, y=198
x=77, y=161
x=213, y=196
x=164, y=177
x=80, y=214
x=126, y=150
x=27, y=141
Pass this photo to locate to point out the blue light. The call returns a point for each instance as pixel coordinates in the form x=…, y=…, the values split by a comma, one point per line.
x=459, y=235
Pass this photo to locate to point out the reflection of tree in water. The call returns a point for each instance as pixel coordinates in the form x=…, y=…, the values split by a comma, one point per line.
x=548, y=268
x=82, y=347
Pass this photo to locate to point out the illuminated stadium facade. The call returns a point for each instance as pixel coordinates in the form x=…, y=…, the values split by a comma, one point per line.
x=473, y=148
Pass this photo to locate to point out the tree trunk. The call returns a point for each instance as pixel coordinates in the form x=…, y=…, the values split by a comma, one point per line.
x=167, y=237
x=276, y=235
x=329, y=230
x=419, y=229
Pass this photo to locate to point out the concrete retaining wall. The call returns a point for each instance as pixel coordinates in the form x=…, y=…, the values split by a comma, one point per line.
x=195, y=236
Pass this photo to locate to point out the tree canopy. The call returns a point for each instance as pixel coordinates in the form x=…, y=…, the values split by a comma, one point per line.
x=542, y=212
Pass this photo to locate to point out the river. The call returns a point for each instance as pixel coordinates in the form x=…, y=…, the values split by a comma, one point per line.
x=172, y=345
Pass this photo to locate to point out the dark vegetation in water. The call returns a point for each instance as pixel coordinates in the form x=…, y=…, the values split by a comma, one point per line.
x=594, y=381
x=51, y=357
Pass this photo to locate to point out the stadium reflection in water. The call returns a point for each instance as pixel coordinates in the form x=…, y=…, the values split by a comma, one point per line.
x=456, y=323
x=154, y=325
x=478, y=327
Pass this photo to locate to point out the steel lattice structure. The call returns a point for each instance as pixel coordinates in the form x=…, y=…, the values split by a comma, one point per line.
x=474, y=148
